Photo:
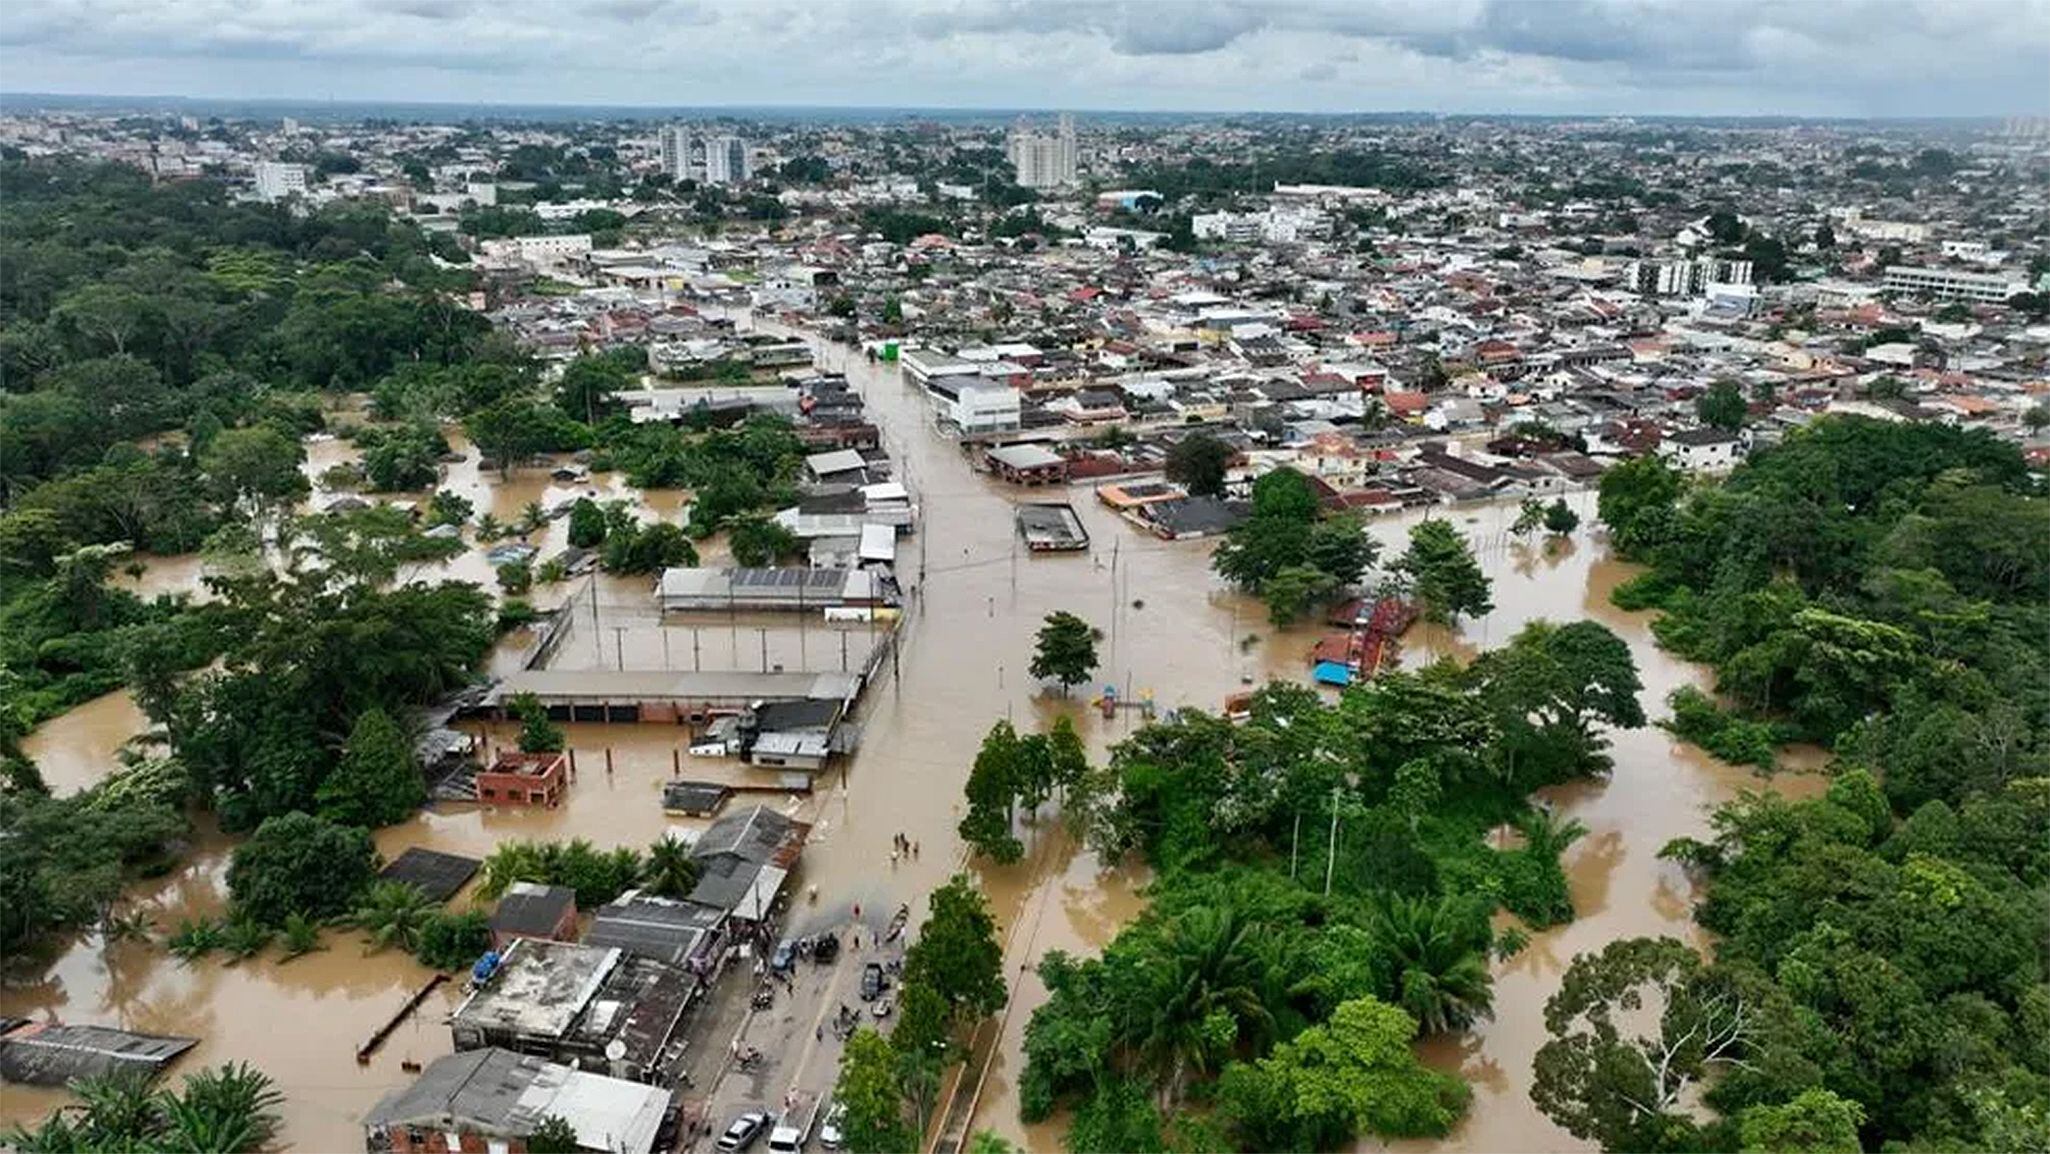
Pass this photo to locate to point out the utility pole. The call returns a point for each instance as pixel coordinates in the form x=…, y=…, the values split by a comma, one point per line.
x=1331, y=855
x=619, y=647
x=1295, y=841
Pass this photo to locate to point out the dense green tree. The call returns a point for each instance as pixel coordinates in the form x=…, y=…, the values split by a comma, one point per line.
x=1446, y=580
x=1638, y=501
x=453, y=941
x=993, y=786
x=1284, y=540
x=1437, y=957
x=586, y=524
x=1065, y=650
x=759, y=541
x=1560, y=519
x=1551, y=685
x=553, y=1135
x=1619, y=1077
x=258, y=466
x=1353, y=1075
x=1722, y=406
x=298, y=863
x=377, y=782
x=1197, y=462
x=1815, y=1121
x=870, y=1091
x=956, y=953
x=590, y=385
x=538, y=734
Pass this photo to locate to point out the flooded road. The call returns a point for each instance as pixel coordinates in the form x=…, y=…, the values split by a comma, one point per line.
x=1169, y=629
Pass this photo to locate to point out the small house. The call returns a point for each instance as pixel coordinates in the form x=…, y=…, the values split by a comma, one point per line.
x=532, y=910
x=516, y=778
x=493, y=1100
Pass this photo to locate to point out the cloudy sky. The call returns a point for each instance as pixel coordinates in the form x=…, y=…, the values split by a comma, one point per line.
x=1796, y=57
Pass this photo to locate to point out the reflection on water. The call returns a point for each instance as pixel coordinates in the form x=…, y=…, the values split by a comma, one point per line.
x=967, y=642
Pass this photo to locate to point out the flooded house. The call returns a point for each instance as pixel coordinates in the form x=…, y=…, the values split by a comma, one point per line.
x=493, y=1100
x=593, y=1007
x=535, y=912
x=516, y=778
x=54, y=1054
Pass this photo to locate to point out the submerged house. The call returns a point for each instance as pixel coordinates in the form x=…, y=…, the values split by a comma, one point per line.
x=592, y=1007
x=493, y=1100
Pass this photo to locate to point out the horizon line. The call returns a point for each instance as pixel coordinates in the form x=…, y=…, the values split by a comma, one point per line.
x=7, y=97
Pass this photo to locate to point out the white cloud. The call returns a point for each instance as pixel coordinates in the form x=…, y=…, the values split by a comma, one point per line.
x=1844, y=57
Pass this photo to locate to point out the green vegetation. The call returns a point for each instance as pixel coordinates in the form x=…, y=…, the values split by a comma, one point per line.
x=300, y=864
x=1877, y=974
x=1325, y=884
x=1288, y=555
x=597, y=875
x=1443, y=576
x=1065, y=650
x=730, y=472
x=63, y=860
x=1010, y=770
x=953, y=980
x=1197, y=463
x=231, y=1109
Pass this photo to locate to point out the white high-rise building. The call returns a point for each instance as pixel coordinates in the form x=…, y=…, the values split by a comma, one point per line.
x=1040, y=160
x=675, y=144
x=725, y=160
x=275, y=180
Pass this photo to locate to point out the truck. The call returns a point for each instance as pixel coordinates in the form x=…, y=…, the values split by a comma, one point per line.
x=794, y=1125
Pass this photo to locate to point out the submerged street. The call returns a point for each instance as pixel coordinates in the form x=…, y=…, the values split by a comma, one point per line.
x=976, y=599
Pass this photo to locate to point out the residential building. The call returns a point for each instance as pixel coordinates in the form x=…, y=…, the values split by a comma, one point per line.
x=673, y=141
x=596, y=1008
x=725, y=160
x=542, y=913
x=1703, y=449
x=1953, y=284
x=276, y=180
x=1678, y=278
x=516, y=778
x=1044, y=160
x=491, y=1100
x=743, y=860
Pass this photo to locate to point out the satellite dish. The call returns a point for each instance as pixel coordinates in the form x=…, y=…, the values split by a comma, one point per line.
x=615, y=1050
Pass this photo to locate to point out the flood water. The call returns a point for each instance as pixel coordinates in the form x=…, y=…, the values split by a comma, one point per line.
x=1169, y=631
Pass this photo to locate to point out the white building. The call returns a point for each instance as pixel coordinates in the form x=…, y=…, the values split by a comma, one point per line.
x=725, y=160
x=674, y=142
x=1682, y=278
x=1703, y=449
x=275, y=180
x=538, y=251
x=1951, y=284
x=986, y=408
x=1041, y=160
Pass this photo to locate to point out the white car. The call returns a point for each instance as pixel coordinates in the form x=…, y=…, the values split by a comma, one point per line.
x=829, y=1130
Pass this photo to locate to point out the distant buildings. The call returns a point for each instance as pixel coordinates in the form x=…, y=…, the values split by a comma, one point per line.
x=725, y=160
x=1951, y=284
x=1686, y=278
x=276, y=180
x=673, y=142
x=1042, y=160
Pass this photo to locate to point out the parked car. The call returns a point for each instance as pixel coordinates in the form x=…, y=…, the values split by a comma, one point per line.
x=785, y=958
x=744, y=1131
x=829, y=1129
x=825, y=950
x=872, y=981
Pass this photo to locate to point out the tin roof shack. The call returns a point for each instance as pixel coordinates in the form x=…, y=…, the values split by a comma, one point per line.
x=682, y=933
x=792, y=734
x=532, y=910
x=516, y=778
x=438, y=875
x=51, y=1054
x=593, y=1007
x=743, y=859
x=493, y=1099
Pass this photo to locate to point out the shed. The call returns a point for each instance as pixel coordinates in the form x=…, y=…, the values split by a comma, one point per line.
x=878, y=544
x=53, y=1054
x=1332, y=673
x=532, y=910
x=436, y=874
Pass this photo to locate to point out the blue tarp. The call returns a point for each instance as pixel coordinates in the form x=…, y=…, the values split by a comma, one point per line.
x=1331, y=673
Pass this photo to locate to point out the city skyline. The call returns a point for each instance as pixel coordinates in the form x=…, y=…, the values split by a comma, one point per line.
x=1598, y=57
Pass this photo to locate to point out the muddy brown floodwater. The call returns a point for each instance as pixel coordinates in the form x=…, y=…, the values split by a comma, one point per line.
x=1170, y=631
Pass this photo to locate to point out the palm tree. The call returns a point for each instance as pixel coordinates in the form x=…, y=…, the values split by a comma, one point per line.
x=230, y=1107
x=1438, y=957
x=1545, y=837
x=1203, y=977
x=393, y=914
x=670, y=871
x=532, y=517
